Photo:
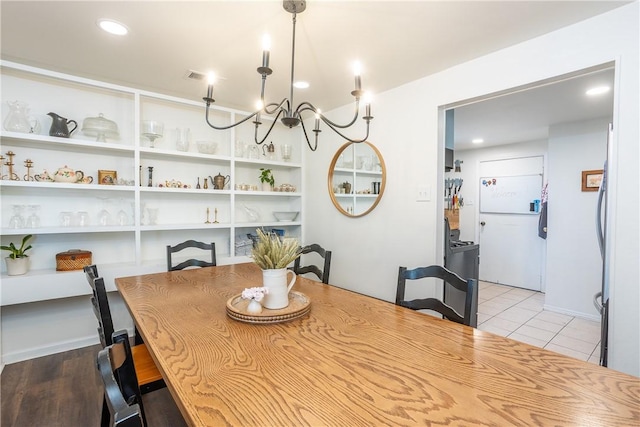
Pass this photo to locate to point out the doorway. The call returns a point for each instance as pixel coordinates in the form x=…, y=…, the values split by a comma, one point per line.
x=525, y=122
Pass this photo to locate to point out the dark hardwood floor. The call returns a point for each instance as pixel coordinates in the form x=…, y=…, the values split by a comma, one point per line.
x=64, y=389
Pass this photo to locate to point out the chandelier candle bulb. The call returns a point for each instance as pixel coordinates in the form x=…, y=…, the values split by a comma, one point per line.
x=266, y=47
x=211, y=80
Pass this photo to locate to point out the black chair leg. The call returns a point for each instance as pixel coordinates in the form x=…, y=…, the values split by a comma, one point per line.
x=105, y=419
x=137, y=338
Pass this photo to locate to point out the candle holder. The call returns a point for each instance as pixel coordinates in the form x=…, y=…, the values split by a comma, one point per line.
x=28, y=164
x=207, y=221
x=11, y=175
x=150, y=184
x=215, y=216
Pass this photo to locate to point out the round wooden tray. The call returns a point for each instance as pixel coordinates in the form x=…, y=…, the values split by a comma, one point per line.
x=299, y=305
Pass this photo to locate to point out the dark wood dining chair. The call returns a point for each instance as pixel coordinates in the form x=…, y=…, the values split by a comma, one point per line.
x=148, y=377
x=210, y=247
x=469, y=287
x=121, y=392
x=322, y=274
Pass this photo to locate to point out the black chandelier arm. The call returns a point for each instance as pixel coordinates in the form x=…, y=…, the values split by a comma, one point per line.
x=306, y=137
x=266, y=135
x=231, y=125
x=307, y=106
x=349, y=139
x=277, y=106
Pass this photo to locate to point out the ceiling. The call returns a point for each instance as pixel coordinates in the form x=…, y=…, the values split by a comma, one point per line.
x=526, y=115
x=396, y=42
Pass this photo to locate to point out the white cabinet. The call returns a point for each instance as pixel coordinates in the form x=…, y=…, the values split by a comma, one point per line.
x=131, y=223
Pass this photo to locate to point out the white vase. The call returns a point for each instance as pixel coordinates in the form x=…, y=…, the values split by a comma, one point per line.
x=17, y=266
x=276, y=281
x=254, y=307
x=266, y=187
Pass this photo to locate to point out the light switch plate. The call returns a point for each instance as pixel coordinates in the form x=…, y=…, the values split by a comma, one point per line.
x=423, y=194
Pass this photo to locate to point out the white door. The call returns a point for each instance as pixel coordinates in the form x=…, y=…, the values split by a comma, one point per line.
x=511, y=253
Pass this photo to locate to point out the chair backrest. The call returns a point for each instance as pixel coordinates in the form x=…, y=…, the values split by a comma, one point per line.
x=100, y=304
x=469, y=287
x=323, y=275
x=115, y=364
x=210, y=247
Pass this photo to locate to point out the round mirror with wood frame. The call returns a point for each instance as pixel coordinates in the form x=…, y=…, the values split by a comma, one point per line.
x=357, y=177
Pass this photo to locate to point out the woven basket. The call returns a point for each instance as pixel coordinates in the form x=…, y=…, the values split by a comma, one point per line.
x=74, y=259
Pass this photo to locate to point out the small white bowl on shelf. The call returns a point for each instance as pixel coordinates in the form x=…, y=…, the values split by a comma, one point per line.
x=207, y=147
x=285, y=216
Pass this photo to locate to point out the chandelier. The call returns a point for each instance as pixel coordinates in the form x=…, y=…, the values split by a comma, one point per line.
x=284, y=110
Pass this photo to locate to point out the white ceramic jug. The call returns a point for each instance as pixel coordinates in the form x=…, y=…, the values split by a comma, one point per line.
x=276, y=281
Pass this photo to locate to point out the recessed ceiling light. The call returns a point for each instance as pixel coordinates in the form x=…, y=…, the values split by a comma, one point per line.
x=598, y=90
x=301, y=85
x=477, y=140
x=113, y=27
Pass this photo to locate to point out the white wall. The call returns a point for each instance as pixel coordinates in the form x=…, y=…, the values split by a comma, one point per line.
x=401, y=231
x=574, y=266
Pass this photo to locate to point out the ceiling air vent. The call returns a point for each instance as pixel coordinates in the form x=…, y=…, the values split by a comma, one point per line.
x=195, y=75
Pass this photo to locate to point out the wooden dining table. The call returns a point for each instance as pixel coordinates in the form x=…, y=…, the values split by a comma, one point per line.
x=354, y=360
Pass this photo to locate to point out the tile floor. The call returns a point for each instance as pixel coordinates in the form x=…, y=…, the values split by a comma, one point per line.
x=518, y=314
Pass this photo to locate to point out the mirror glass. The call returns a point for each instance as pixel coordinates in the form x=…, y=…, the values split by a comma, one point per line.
x=357, y=177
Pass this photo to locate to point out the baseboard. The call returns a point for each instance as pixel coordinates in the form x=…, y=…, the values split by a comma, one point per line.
x=579, y=314
x=32, y=353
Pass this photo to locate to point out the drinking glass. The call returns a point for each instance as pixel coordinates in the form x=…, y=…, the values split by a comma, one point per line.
x=17, y=220
x=123, y=219
x=66, y=219
x=286, y=152
x=153, y=216
x=104, y=217
x=33, y=220
x=82, y=219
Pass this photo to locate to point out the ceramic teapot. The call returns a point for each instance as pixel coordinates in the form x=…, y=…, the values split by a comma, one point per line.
x=60, y=126
x=219, y=181
x=67, y=174
x=44, y=177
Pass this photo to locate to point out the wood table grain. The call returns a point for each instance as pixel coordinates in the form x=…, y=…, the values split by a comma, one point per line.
x=356, y=361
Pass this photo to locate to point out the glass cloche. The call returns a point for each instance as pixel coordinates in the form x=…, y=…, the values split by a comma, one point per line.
x=100, y=127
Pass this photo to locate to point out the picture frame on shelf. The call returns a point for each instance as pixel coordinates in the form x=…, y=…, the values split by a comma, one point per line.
x=106, y=177
x=591, y=179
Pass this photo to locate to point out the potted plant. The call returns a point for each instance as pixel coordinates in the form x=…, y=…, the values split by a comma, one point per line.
x=267, y=180
x=272, y=254
x=18, y=261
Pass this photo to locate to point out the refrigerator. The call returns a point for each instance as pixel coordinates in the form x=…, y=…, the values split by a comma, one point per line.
x=601, y=298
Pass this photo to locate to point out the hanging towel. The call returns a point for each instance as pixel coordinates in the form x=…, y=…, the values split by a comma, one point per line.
x=542, y=220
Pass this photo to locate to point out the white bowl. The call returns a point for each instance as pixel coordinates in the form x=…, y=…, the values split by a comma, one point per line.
x=285, y=216
x=207, y=147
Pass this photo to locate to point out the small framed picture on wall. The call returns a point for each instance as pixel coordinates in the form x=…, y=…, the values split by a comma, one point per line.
x=591, y=179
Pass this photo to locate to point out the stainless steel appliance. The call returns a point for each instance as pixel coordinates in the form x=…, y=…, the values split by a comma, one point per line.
x=463, y=258
x=601, y=299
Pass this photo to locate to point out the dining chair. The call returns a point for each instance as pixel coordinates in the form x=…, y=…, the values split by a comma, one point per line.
x=210, y=247
x=122, y=394
x=469, y=287
x=148, y=377
x=322, y=274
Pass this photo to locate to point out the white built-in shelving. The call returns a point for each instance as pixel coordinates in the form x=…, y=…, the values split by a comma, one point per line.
x=134, y=244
